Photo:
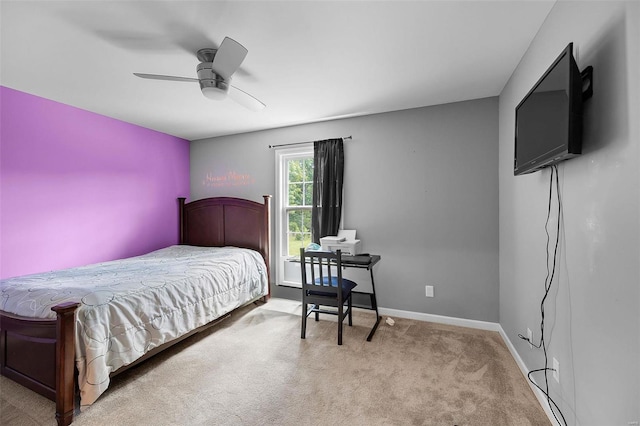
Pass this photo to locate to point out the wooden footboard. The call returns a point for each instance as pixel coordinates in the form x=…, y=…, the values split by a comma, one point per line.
x=40, y=355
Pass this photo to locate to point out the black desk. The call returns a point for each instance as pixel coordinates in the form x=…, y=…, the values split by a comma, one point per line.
x=366, y=262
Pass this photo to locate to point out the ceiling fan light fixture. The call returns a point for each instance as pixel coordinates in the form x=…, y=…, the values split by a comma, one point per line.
x=213, y=92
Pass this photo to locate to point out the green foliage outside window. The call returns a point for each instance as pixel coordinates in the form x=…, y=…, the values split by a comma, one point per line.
x=300, y=174
x=300, y=193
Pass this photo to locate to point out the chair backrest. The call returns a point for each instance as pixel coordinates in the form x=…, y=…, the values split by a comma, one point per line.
x=325, y=270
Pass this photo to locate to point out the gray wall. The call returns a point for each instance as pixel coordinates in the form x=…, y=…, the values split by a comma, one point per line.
x=592, y=317
x=421, y=189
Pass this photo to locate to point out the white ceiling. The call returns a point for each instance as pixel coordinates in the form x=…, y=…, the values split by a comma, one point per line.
x=308, y=60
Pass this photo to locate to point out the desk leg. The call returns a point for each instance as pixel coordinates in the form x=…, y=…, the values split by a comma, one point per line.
x=374, y=305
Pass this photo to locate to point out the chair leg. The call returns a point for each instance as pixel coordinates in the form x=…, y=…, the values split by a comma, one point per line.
x=340, y=318
x=350, y=317
x=304, y=321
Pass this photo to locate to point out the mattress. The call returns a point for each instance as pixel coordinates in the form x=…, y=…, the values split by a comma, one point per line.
x=130, y=306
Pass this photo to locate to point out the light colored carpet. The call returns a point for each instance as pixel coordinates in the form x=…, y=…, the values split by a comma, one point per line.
x=253, y=369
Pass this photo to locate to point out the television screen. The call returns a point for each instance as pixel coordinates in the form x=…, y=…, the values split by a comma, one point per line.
x=549, y=118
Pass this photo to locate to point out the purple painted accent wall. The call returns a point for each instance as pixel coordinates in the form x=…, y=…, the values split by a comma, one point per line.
x=78, y=188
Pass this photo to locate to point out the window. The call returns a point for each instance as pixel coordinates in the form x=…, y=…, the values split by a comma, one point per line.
x=298, y=205
x=294, y=197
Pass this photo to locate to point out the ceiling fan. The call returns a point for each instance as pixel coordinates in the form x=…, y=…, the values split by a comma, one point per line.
x=214, y=74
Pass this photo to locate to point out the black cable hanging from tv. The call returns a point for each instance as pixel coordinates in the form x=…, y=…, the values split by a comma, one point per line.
x=547, y=285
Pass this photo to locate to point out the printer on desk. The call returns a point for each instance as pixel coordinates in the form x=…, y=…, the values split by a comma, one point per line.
x=344, y=241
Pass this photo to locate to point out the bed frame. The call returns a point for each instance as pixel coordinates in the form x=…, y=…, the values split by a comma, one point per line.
x=40, y=354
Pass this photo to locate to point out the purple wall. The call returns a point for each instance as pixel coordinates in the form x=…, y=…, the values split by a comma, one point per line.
x=79, y=188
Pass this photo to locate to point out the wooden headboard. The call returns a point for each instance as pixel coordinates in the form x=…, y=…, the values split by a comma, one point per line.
x=227, y=221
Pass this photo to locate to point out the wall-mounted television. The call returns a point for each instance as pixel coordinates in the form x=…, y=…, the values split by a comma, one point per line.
x=549, y=118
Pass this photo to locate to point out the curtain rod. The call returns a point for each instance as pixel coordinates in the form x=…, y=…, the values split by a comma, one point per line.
x=300, y=143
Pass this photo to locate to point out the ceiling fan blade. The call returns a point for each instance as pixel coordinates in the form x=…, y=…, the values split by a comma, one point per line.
x=228, y=58
x=245, y=99
x=164, y=77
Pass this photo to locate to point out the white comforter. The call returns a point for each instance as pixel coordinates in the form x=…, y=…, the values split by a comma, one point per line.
x=130, y=306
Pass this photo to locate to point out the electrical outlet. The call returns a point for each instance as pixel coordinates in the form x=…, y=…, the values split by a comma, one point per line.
x=429, y=291
x=556, y=370
x=530, y=337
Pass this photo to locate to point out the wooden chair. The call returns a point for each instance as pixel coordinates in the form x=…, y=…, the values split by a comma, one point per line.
x=322, y=288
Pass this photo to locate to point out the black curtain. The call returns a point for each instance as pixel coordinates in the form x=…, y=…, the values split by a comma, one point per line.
x=328, y=172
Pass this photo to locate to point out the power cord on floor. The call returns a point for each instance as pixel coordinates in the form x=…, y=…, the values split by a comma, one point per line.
x=547, y=284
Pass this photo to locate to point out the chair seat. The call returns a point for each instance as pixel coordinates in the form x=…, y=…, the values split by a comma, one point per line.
x=347, y=286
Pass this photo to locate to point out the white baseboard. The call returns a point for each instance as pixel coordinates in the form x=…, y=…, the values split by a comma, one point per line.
x=542, y=399
x=440, y=319
x=482, y=325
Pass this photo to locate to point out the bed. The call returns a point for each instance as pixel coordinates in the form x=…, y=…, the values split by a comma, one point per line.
x=52, y=337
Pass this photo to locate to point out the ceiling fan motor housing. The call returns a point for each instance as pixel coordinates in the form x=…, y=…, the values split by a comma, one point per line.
x=213, y=86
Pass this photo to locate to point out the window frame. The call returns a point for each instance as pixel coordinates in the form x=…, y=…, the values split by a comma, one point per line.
x=283, y=155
